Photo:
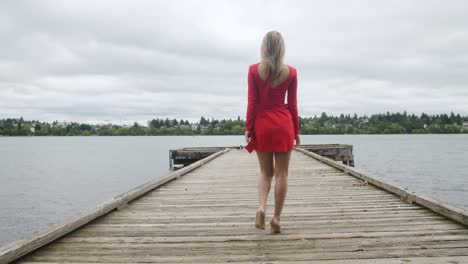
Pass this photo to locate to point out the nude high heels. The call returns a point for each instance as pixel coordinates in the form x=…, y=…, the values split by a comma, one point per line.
x=260, y=220
x=275, y=226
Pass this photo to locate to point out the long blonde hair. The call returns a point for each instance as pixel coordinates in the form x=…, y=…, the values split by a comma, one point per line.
x=272, y=53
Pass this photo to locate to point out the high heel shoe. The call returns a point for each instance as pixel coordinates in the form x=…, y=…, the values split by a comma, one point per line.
x=275, y=227
x=260, y=220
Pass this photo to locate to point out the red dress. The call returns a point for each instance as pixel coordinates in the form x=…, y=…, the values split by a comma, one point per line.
x=272, y=123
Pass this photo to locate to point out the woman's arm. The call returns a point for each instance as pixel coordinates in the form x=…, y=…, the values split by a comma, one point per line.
x=251, y=102
x=292, y=103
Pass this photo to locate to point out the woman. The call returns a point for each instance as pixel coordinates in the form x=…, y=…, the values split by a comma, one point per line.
x=271, y=125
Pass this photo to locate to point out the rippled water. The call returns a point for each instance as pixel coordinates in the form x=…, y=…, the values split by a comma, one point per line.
x=44, y=180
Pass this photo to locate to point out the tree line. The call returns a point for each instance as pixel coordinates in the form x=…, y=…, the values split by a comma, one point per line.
x=382, y=123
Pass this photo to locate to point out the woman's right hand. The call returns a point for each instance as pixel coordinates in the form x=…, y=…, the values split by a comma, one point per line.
x=298, y=140
x=247, y=136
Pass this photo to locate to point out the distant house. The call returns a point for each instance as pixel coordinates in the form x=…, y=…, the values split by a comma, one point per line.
x=364, y=123
x=194, y=127
x=32, y=129
x=465, y=125
x=64, y=123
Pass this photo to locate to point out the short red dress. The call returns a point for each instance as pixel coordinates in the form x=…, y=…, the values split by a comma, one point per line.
x=272, y=122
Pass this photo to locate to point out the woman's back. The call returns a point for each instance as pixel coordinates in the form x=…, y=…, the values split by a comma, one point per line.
x=263, y=71
x=273, y=122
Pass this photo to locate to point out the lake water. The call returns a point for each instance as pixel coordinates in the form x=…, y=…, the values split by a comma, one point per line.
x=44, y=180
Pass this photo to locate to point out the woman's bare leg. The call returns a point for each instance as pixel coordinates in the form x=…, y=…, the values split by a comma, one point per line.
x=281, y=181
x=266, y=175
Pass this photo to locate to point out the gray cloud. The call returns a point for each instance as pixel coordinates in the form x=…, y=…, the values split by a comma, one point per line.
x=93, y=61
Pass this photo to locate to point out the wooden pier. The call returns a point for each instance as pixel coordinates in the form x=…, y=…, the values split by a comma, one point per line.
x=338, y=152
x=205, y=212
x=179, y=158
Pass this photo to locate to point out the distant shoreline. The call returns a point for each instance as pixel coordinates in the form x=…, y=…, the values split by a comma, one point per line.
x=376, y=124
x=199, y=135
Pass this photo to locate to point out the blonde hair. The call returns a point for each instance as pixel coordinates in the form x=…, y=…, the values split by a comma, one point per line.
x=272, y=53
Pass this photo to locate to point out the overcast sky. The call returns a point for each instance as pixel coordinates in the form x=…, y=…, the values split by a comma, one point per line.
x=92, y=61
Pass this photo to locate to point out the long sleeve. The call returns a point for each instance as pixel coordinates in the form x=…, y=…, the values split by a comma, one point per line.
x=251, y=102
x=292, y=103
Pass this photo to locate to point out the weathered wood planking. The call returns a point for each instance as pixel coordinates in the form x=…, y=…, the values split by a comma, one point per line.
x=22, y=247
x=337, y=152
x=179, y=158
x=207, y=216
x=458, y=214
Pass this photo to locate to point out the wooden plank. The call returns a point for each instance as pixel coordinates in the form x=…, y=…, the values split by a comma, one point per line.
x=264, y=254
x=411, y=260
x=254, y=236
x=456, y=213
x=22, y=247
